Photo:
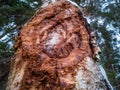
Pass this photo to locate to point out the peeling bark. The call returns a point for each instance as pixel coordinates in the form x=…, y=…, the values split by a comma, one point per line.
x=56, y=50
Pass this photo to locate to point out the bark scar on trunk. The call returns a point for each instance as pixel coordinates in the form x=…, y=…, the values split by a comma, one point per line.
x=55, y=43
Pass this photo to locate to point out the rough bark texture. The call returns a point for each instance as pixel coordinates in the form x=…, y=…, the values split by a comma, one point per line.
x=56, y=50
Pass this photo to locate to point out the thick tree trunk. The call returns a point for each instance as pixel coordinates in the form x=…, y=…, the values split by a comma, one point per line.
x=56, y=50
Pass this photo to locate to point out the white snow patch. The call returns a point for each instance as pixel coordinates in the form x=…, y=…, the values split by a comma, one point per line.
x=101, y=21
x=110, y=27
x=104, y=5
x=118, y=37
x=118, y=75
x=88, y=19
x=35, y=2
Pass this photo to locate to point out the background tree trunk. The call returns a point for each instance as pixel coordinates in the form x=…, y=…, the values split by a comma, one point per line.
x=56, y=50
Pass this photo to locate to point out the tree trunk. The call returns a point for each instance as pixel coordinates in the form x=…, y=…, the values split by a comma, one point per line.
x=56, y=50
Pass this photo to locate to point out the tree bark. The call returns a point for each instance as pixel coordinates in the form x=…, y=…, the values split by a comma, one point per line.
x=56, y=50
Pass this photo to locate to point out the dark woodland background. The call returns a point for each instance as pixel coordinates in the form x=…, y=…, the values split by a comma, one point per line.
x=103, y=16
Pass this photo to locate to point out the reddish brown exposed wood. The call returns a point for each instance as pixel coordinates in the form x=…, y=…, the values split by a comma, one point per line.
x=51, y=48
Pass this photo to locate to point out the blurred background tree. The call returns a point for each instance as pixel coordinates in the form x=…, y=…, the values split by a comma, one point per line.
x=103, y=16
